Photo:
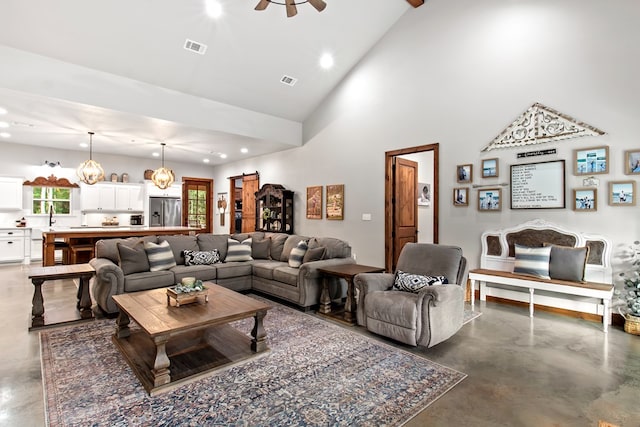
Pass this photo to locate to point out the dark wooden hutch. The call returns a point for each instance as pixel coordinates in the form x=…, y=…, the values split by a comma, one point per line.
x=274, y=209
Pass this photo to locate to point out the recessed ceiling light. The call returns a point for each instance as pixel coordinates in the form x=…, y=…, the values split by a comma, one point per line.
x=155, y=154
x=205, y=160
x=3, y=111
x=223, y=156
x=213, y=8
x=5, y=134
x=4, y=125
x=83, y=145
x=326, y=61
x=244, y=150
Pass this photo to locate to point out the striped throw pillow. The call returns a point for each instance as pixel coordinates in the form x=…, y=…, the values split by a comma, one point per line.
x=160, y=256
x=237, y=251
x=297, y=254
x=532, y=261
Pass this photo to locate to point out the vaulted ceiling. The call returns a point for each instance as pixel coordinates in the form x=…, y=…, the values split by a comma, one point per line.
x=120, y=68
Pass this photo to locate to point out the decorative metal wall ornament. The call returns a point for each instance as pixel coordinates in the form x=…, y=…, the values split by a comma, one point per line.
x=541, y=124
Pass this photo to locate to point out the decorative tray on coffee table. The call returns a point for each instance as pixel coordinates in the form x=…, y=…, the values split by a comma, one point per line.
x=186, y=294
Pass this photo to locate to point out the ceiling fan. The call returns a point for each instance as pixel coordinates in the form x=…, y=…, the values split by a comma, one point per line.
x=319, y=5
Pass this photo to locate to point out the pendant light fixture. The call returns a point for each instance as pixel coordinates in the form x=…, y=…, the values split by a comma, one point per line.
x=163, y=177
x=90, y=171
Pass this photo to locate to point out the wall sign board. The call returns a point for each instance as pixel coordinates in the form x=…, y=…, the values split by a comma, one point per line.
x=538, y=185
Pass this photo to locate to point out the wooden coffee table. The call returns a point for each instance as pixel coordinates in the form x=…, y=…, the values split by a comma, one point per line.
x=175, y=345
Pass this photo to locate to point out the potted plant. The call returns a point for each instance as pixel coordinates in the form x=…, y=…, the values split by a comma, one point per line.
x=631, y=295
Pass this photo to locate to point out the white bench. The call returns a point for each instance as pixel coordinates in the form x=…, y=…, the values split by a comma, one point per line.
x=497, y=279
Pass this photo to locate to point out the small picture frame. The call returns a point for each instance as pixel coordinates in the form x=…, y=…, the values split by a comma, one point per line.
x=591, y=161
x=632, y=162
x=622, y=193
x=490, y=200
x=461, y=196
x=424, y=194
x=314, y=202
x=335, y=202
x=490, y=168
x=585, y=199
x=464, y=173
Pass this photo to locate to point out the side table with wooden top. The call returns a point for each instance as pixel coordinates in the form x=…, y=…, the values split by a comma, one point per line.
x=39, y=275
x=347, y=272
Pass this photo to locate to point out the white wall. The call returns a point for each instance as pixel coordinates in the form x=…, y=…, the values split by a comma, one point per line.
x=458, y=73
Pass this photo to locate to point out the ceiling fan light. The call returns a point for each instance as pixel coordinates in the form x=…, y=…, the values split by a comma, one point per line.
x=90, y=171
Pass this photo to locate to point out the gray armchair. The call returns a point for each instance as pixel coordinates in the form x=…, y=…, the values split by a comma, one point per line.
x=425, y=318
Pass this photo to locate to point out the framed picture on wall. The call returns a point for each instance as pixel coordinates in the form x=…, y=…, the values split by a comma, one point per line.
x=490, y=200
x=314, y=202
x=590, y=161
x=461, y=196
x=335, y=202
x=632, y=162
x=490, y=168
x=464, y=173
x=622, y=193
x=585, y=199
x=424, y=194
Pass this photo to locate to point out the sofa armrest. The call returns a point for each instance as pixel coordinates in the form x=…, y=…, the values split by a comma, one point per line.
x=108, y=281
x=310, y=281
x=366, y=283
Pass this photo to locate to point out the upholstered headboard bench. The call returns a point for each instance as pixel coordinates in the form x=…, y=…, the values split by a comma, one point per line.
x=496, y=274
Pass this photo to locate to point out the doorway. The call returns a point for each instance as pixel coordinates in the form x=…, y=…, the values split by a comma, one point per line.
x=243, y=202
x=404, y=171
x=197, y=202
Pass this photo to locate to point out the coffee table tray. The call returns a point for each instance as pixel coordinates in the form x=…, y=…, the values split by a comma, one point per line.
x=181, y=298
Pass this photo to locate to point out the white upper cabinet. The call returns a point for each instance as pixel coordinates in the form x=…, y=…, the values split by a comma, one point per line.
x=11, y=191
x=111, y=197
x=129, y=198
x=173, y=191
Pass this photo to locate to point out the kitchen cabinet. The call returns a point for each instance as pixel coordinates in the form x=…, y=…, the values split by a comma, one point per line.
x=129, y=198
x=174, y=190
x=104, y=197
x=12, y=246
x=274, y=209
x=11, y=190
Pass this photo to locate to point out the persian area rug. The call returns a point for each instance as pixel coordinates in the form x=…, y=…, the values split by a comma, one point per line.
x=316, y=373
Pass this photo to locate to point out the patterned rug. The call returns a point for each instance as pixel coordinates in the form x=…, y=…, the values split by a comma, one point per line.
x=316, y=373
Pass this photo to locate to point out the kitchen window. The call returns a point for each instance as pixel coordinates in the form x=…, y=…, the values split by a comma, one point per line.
x=58, y=197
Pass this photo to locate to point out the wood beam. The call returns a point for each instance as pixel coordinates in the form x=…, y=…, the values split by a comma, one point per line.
x=416, y=3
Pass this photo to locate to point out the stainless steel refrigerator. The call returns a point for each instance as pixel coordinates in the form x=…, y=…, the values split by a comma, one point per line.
x=165, y=212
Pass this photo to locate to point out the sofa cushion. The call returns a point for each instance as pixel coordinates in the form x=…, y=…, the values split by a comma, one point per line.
x=336, y=248
x=277, y=245
x=285, y=274
x=415, y=282
x=233, y=269
x=148, y=280
x=237, y=251
x=108, y=248
x=209, y=242
x=179, y=244
x=315, y=254
x=240, y=237
x=132, y=259
x=532, y=261
x=567, y=263
x=265, y=269
x=297, y=254
x=291, y=242
x=200, y=272
x=160, y=256
x=260, y=248
x=201, y=257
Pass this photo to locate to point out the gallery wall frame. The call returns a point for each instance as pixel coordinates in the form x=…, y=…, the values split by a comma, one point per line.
x=490, y=168
x=585, y=200
x=490, y=200
x=539, y=185
x=622, y=193
x=461, y=196
x=632, y=162
x=591, y=161
x=335, y=202
x=314, y=202
x=464, y=173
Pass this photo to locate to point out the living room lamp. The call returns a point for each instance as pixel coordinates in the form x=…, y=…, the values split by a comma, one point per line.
x=163, y=177
x=90, y=171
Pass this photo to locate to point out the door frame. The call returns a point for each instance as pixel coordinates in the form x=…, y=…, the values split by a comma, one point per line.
x=209, y=201
x=389, y=200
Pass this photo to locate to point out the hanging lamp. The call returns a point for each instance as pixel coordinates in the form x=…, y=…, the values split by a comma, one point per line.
x=163, y=177
x=90, y=171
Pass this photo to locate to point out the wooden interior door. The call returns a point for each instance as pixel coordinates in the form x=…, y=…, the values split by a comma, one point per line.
x=250, y=185
x=405, y=183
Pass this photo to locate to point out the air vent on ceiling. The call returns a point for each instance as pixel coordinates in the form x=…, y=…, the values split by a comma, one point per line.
x=195, y=47
x=288, y=80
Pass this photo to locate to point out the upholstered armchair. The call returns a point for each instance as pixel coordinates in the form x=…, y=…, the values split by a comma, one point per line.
x=423, y=318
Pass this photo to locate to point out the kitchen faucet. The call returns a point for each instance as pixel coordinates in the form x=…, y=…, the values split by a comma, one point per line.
x=51, y=221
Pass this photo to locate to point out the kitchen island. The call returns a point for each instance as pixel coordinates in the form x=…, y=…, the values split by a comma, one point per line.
x=76, y=237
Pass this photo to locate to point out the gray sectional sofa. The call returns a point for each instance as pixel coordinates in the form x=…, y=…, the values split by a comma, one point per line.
x=122, y=266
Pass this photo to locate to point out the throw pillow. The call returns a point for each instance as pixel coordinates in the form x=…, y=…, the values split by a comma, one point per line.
x=297, y=254
x=132, y=259
x=237, y=251
x=532, y=261
x=567, y=263
x=260, y=248
x=415, y=282
x=201, y=257
x=315, y=254
x=160, y=256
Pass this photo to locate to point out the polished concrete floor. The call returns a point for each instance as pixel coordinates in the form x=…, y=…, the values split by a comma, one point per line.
x=548, y=371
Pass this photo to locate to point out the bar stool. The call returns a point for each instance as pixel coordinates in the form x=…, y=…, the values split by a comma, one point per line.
x=77, y=249
x=64, y=247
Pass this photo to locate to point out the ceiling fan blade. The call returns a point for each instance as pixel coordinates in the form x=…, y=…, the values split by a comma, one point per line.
x=291, y=8
x=318, y=4
x=262, y=5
